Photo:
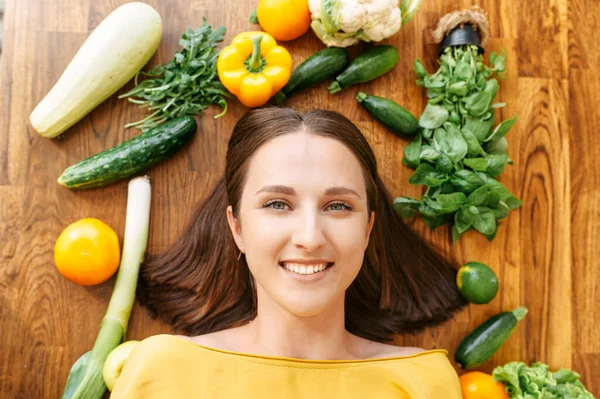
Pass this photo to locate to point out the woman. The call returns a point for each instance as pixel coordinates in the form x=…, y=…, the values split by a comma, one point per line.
x=293, y=274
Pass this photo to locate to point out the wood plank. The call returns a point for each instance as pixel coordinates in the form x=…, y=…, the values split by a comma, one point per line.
x=543, y=38
x=544, y=253
x=585, y=186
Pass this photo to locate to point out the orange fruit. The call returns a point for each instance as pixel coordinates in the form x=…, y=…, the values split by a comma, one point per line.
x=87, y=252
x=478, y=385
x=284, y=19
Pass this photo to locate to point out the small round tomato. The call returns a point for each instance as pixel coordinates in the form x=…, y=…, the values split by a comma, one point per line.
x=87, y=252
x=284, y=19
x=478, y=385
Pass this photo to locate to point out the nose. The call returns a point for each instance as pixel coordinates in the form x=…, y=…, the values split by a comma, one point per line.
x=308, y=235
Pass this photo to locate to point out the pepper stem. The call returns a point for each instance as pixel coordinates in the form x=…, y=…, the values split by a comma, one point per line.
x=255, y=58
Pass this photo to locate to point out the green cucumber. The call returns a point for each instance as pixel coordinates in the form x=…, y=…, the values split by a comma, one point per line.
x=479, y=346
x=320, y=66
x=368, y=66
x=393, y=116
x=130, y=157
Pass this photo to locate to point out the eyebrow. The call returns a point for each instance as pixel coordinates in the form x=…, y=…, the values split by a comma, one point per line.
x=290, y=191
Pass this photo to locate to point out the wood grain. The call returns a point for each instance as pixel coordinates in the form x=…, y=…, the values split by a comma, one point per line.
x=545, y=254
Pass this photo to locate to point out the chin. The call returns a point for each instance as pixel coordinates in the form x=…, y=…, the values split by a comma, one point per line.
x=306, y=309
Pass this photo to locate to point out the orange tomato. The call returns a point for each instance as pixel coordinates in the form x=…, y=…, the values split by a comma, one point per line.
x=284, y=19
x=87, y=252
x=478, y=385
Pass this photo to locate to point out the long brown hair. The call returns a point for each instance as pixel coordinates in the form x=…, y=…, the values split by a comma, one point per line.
x=200, y=285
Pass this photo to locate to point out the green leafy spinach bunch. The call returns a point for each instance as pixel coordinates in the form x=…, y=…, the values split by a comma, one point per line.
x=459, y=153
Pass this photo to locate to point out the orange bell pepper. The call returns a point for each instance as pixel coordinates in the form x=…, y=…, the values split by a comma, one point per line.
x=253, y=67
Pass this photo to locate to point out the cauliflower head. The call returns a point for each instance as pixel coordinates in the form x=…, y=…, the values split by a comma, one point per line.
x=343, y=23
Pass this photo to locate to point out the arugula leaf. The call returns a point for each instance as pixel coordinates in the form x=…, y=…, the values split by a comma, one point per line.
x=484, y=221
x=478, y=127
x=429, y=153
x=477, y=164
x=420, y=69
x=497, y=146
x=463, y=220
x=466, y=181
x=433, y=117
x=444, y=164
x=412, y=153
x=435, y=179
x=477, y=103
x=479, y=196
x=491, y=87
x=496, y=164
x=502, y=128
x=186, y=85
x=457, y=146
x=458, y=88
x=406, y=207
x=420, y=173
x=473, y=146
x=447, y=203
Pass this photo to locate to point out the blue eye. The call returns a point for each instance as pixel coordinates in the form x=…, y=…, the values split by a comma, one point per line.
x=275, y=205
x=340, y=206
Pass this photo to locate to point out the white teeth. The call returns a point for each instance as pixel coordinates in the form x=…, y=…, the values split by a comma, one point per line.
x=303, y=269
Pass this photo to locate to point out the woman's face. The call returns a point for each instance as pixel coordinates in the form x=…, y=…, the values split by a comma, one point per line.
x=303, y=208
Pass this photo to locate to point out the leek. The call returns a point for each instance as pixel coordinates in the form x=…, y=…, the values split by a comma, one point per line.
x=85, y=378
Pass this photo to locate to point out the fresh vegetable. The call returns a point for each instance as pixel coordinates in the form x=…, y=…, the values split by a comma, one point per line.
x=87, y=252
x=458, y=153
x=85, y=378
x=130, y=157
x=393, y=116
x=479, y=346
x=320, y=66
x=186, y=85
x=254, y=67
x=284, y=19
x=537, y=381
x=368, y=66
x=343, y=23
x=113, y=53
x=478, y=385
x=477, y=283
x=113, y=365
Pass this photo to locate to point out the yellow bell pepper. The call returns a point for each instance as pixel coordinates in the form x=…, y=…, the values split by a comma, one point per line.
x=253, y=67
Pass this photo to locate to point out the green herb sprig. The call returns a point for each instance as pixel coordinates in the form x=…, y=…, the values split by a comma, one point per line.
x=457, y=155
x=186, y=85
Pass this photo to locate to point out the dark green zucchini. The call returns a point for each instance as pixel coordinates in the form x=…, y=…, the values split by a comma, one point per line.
x=479, y=346
x=130, y=157
x=393, y=116
x=320, y=66
x=369, y=65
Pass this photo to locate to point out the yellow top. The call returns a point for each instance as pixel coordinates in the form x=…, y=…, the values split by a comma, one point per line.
x=165, y=366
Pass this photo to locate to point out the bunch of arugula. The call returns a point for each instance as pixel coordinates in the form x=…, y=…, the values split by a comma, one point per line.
x=186, y=85
x=457, y=154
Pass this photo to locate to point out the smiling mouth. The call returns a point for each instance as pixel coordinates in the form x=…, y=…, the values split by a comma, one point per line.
x=304, y=269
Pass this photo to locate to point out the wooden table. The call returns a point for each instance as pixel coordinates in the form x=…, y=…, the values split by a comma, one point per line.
x=546, y=254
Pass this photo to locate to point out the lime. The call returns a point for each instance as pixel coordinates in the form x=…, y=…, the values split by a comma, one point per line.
x=477, y=282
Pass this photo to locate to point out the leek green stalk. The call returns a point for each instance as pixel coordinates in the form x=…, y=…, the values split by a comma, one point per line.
x=85, y=379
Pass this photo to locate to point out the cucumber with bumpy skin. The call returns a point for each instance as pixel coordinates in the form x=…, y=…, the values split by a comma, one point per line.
x=130, y=157
x=479, y=346
x=368, y=66
x=320, y=66
x=390, y=114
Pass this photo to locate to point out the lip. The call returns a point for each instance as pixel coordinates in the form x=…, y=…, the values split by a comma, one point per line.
x=307, y=261
x=307, y=278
